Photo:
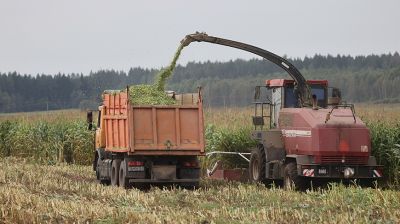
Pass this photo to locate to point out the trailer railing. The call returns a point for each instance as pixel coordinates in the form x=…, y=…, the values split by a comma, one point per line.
x=218, y=164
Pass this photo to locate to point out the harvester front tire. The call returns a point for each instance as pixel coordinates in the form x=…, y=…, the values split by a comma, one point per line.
x=257, y=166
x=291, y=179
x=115, y=172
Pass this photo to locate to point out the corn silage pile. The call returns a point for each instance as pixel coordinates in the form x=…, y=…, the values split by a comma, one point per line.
x=154, y=94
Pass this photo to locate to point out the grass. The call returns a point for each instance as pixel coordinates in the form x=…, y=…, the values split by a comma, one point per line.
x=37, y=193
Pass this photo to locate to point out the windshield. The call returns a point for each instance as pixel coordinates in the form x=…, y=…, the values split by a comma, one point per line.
x=291, y=100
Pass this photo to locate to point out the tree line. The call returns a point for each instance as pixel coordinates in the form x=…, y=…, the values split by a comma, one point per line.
x=372, y=78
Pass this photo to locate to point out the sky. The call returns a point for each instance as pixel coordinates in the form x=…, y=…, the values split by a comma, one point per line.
x=79, y=36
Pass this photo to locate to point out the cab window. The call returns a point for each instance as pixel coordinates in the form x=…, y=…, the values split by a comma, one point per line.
x=291, y=100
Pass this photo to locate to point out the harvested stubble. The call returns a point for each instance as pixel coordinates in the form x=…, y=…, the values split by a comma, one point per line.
x=32, y=193
x=155, y=94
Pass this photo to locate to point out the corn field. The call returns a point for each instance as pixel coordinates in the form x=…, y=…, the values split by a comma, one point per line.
x=51, y=139
x=45, y=178
x=47, y=142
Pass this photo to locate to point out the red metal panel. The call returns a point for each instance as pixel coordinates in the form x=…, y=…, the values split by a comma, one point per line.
x=305, y=132
x=275, y=82
x=142, y=127
x=282, y=82
x=178, y=125
x=115, y=119
x=190, y=135
x=166, y=133
x=201, y=124
x=178, y=128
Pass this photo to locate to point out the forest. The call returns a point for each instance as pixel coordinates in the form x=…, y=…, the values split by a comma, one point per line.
x=370, y=79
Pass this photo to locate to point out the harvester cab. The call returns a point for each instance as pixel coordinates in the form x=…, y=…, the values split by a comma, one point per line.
x=282, y=93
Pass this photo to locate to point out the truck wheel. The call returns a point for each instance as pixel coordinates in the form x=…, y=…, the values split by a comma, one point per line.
x=257, y=165
x=291, y=180
x=98, y=175
x=123, y=181
x=115, y=171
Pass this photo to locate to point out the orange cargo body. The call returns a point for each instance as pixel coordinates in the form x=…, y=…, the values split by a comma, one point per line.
x=153, y=130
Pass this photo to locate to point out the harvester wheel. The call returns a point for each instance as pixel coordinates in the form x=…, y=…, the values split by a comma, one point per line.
x=291, y=180
x=115, y=171
x=123, y=181
x=257, y=165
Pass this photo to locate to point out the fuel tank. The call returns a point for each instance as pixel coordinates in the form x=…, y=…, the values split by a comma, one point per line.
x=338, y=138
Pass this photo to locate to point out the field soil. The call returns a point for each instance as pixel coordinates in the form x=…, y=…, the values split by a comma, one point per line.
x=35, y=193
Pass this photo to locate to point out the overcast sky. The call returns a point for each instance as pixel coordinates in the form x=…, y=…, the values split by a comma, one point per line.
x=51, y=36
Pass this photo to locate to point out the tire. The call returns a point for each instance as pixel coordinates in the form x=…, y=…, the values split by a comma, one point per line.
x=257, y=165
x=123, y=181
x=115, y=172
x=98, y=176
x=291, y=180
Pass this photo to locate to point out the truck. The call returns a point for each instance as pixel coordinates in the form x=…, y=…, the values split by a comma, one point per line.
x=312, y=135
x=140, y=145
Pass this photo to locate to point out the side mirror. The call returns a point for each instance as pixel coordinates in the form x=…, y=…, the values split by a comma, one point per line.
x=257, y=93
x=89, y=120
x=336, y=92
x=335, y=97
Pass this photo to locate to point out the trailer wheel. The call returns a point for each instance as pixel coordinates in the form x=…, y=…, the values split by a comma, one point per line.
x=257, y=165
x=291, y=180
x=123, y=181
x=115, y=171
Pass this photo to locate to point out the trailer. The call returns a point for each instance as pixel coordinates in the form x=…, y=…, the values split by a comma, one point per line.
x=139, y=145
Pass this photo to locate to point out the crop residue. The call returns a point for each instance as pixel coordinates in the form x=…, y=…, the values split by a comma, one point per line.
x=154, y=94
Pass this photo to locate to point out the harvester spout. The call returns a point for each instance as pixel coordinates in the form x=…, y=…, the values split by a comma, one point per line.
x=304, y=92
